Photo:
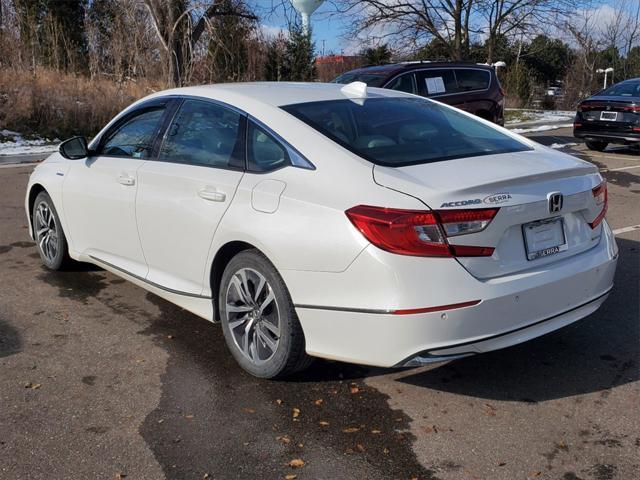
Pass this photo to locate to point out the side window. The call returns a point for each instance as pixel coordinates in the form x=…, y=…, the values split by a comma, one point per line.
x=437, y=82
x=403, y=83
x=203, y=133
x=135, y=137
x=264, y=152
x=469, y=80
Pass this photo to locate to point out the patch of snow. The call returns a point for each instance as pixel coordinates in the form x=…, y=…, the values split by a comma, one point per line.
x=15, y=144
x=542, y=128
x=562, y=145
x=543, y=116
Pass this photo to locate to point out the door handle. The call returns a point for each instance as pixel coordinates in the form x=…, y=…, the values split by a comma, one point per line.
x=124, y=179
x=211, y=195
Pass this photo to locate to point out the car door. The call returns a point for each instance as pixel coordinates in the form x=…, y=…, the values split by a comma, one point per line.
x=439, y=84
x=99, y=192
x=183, y=194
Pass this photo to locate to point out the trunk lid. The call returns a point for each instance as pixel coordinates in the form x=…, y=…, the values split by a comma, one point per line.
x=519, y=184
x=610, y=113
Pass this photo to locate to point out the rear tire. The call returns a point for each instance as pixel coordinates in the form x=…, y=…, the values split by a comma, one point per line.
x=597, y=146
x=258, y=318
x=48, y=234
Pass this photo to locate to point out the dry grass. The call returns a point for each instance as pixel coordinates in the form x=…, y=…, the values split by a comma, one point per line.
x=53, y=104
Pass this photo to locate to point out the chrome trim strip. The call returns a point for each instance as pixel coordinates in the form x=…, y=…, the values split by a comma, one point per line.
x=343, y=309
x=153, y=284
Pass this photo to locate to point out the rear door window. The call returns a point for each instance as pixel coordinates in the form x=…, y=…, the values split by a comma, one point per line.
x=204, y=133
x=403, y=83
x=434, y=82
x=469, y=79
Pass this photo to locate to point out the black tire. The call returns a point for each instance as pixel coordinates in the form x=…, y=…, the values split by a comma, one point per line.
x=597, y=146
x=54, y=255
x=289, y=356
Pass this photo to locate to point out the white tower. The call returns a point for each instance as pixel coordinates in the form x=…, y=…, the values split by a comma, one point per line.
x=306, y=8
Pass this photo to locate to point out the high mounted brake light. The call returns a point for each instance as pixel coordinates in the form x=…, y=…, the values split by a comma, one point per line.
x=421, y=233
x=602, y=199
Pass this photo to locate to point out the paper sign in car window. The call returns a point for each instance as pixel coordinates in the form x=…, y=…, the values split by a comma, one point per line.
x=435, y=85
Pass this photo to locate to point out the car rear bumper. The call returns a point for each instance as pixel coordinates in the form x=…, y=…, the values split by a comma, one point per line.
x=512, y=309
x=607, y=136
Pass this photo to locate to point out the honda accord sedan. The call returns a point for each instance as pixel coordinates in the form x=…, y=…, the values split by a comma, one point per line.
x=611, y=116
x=336, y=221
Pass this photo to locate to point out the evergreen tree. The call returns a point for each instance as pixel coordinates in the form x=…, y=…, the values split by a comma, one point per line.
x=276, y=67
x=300, y=56
x=377, y=55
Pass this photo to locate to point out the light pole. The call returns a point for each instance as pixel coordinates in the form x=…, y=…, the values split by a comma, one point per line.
x=605, y=71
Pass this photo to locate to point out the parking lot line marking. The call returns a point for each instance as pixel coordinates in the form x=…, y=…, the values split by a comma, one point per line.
x=619, y=169
x=622, y=230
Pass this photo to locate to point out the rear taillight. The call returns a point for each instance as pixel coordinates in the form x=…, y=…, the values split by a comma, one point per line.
x=601, y=197
x=421, y=233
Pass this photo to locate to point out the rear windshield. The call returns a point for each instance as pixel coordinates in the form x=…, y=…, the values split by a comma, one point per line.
x=403, y=131
x=626, y=89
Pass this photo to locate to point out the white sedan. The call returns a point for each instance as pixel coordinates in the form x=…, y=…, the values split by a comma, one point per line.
x=321, y=220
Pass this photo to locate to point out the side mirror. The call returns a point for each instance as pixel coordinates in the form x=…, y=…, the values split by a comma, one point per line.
x=74, y=148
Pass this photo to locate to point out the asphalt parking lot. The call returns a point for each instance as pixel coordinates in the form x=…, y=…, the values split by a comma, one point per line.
x=100, y=379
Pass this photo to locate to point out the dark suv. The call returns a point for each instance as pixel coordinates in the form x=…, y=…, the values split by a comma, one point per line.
x=468, y=86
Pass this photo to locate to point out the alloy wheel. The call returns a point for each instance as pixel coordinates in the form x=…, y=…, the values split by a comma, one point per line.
x=253, y=315
x=46, y=232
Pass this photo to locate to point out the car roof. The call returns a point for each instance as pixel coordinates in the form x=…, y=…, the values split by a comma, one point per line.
x=246, y=95
x=392, y=68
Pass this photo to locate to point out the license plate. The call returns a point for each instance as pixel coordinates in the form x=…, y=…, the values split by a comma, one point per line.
x=611, y=116
x=544, y=238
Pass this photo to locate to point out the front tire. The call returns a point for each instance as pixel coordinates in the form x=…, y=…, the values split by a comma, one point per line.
x=259, y=321
x=597, y=146
x=48, y=234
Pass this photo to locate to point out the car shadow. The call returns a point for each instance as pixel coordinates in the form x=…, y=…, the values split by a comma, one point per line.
x=592, y=355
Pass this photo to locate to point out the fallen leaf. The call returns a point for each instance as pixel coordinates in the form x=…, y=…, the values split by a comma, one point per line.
x=284, y=439
x=318, y=402
x=296, y=463
x=491, y=410
x=291, y=476
x=350, y=429
x=385, y=451
x=322, y=423
x=375, y=432
x=360, y=447
x=170, y=337
x=249, y=410
x=536, y=474
x=160, y=421
x=189, y=417
x=502, y=464
x=296, y=412
x=120, y=476
x=349, y=451
x=301, y=445
x=355, y=389
x=205, y=476
x=245, y=443
x=279, y=402
x=414, y=478
x=32, y=386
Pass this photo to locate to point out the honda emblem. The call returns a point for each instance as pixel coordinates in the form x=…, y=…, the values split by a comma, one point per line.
x=555, y=200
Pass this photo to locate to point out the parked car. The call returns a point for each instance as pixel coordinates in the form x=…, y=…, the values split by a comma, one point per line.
x=321, y=220
x=469, y=86
x=610, y=116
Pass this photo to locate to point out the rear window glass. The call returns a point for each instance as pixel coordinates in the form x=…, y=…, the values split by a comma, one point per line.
x=403, y=131
x=627, y=89
x=469, y=80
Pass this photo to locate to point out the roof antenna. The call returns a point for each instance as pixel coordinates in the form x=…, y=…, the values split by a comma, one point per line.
x=355, y=91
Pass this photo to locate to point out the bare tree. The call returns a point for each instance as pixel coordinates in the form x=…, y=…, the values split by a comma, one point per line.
x=179, y=30
x=515, y=18
x=415, y=22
